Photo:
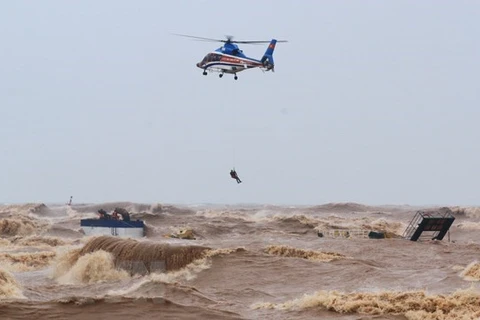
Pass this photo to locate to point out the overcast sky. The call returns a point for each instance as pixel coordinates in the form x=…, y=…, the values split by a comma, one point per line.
x=371, y=101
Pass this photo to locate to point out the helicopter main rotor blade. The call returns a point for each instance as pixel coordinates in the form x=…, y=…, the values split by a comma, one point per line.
x=256, y=41
x=199, y=38
x=229, y=39
x=251, y=41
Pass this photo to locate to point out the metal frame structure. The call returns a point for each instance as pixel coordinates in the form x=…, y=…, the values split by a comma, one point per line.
x=431, y=225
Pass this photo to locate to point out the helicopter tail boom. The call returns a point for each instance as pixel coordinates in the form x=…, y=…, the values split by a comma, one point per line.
x=267, y=58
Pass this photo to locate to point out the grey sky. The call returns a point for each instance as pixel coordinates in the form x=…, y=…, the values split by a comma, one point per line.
x=372, y=101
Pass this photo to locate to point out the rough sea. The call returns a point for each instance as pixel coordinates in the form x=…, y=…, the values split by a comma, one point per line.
x=246, y=262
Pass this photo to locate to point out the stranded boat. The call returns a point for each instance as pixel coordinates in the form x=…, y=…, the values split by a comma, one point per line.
x=112, y=225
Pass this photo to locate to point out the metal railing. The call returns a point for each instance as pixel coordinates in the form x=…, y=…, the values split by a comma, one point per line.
x=344, y=233
x=412, y=227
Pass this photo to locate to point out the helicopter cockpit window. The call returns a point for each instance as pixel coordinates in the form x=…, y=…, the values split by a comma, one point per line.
x=211, y=57
x=207, y=58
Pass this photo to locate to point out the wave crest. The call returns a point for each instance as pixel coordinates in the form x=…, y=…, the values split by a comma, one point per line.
x=344, y=207
x=142, y=257
x=9, y=287
x=286, y=251
x=390, y=228
x=414, y=305
x=90, y=268
x=26, y=261
x=187, y=273
x=468, y=212
x=14, y=227
x=37, y=241
x=16, y=209
x=472, y=272
x=298, y=219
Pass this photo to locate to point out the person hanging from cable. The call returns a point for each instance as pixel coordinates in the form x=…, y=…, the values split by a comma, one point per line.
x=234, y=175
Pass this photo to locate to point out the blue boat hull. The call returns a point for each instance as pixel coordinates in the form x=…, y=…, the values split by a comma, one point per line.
x=120, y=228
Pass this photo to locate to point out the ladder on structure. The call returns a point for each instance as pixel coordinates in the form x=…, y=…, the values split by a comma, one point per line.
x=433, y=225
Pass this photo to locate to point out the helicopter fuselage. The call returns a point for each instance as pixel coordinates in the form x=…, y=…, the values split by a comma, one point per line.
x=230, y=59
x=228, y=63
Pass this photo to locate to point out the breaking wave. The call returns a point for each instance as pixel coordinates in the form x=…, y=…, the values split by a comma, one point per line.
x=331, y=222
x=90, y=268
x=190, y=271
x=16, y=209
x=110, y=206
x=469, y=225
x=414, y=305
x=33, y=241
x=344, y=207
x=9, y=287
x=187, y=273
x=168, y=209
x=26, y=261
x=300, y=219
x=286, y=251
x=37, y=241
x=472, y=272
x=241, y=215
x=140, y=257
x=469, y=212
x=14, y=227
x=134, y=208
x=390, y=228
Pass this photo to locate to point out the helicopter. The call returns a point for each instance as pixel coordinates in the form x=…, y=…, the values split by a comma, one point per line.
x=229, y=58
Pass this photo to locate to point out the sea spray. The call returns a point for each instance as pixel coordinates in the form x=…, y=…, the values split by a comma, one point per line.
x=414, y=305
x=286, y=251
x=187, y=273
x=13, y=227
x=26, y=261
x=471, y=272
x=9, y=287
x=90, y=268
x=134, y=256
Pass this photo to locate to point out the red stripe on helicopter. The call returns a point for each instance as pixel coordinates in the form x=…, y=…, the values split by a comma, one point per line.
x=235, y=60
